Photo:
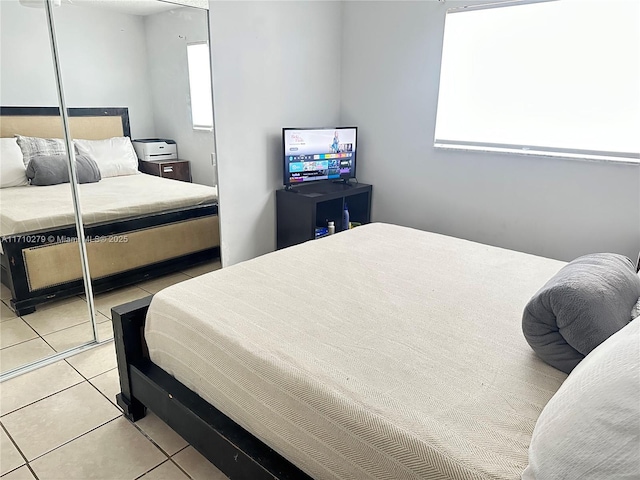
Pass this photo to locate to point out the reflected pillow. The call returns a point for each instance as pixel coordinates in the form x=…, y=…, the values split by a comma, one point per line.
x=52, y=170
x=36, y=146
x=115, y=156
x=12, y=170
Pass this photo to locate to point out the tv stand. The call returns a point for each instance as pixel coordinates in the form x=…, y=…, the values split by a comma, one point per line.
x=344, y=182
x=301, y=210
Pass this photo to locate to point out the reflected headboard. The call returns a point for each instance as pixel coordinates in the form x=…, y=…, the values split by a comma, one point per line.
x=45, y=122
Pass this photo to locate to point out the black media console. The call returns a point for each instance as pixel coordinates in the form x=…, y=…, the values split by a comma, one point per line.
x=303, y=208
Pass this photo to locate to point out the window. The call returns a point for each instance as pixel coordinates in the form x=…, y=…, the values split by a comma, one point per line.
x=556, y=78
x=200, y=85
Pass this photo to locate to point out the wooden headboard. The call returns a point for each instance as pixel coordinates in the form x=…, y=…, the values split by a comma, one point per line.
x=45, y=122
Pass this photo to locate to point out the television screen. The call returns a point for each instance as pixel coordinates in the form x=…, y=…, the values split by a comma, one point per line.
x=312, y=154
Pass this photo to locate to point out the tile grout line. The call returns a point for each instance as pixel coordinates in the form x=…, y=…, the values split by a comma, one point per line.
x=82, y=380
x=15, y=444
x=182, y=449
x=61, y=330
x=32, y=471
x=65, y=328
x=176, y=463
x=29, y=325
x=38, y=336
x=149, y=471
x=80, y=324
x=18, y=468
x=101, y=393
x=99, y=314
x=27, y=462
x=88, y=379
x=23, y=341
x=168, y=460
x=148, y=437
x=73, y=439
x=5, y=300
x=43, y=398
x=50, y=346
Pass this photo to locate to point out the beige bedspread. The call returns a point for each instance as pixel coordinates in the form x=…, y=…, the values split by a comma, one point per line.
x=31, y=208
x=381, y=352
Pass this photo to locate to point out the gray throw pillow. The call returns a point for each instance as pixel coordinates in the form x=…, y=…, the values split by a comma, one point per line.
x=52, y=170
x=581, y=306
x=36, y=146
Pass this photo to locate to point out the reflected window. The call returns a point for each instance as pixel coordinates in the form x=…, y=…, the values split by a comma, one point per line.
x=200, y=85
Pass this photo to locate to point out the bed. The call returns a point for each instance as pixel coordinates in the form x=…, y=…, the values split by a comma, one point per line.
x=137, y=226
x=381, y=352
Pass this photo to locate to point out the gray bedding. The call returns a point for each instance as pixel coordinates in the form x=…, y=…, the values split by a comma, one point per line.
x=585, y=303
x=53, y=170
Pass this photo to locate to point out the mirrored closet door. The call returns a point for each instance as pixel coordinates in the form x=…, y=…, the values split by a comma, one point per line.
x=138, y=74
x=45, y=310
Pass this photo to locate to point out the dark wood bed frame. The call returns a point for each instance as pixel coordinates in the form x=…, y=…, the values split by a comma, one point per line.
x=236, y=452
x=14, y=274
x=233, y=450
x=12, y=263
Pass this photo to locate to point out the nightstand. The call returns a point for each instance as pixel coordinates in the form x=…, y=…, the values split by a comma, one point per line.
x=175, y=169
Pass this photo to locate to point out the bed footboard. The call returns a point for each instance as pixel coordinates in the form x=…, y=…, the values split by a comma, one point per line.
x=233, y=450
x=131, y=350
x=45, y=266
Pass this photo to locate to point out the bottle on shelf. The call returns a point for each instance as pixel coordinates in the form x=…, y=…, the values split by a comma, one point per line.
x=345, y=217
x=332, y=228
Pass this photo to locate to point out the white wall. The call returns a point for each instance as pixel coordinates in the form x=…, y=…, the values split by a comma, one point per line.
x=550, y=207
x=102, y=55
x=167, y=36
x=24, y=35
x=275, y=64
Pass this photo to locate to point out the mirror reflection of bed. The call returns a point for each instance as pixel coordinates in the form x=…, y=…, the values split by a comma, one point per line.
x=142, y=230
x=127, y=80
x=25, y=340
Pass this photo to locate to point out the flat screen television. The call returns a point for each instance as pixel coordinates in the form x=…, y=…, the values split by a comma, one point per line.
x=316, y=154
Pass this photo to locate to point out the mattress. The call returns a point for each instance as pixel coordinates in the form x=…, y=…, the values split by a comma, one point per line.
x=32, y=208
x=381, y=352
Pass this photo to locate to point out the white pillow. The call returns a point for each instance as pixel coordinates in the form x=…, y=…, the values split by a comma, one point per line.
x=36, y=146
x=635, y=311
x=12, y=169
x=590, y=429
x=115, y=156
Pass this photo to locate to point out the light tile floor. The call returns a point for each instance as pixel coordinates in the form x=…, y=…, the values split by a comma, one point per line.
x=64, y=324
x=62, y=422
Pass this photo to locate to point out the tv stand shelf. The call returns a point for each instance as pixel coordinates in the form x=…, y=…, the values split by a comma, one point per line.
x=303, y=208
